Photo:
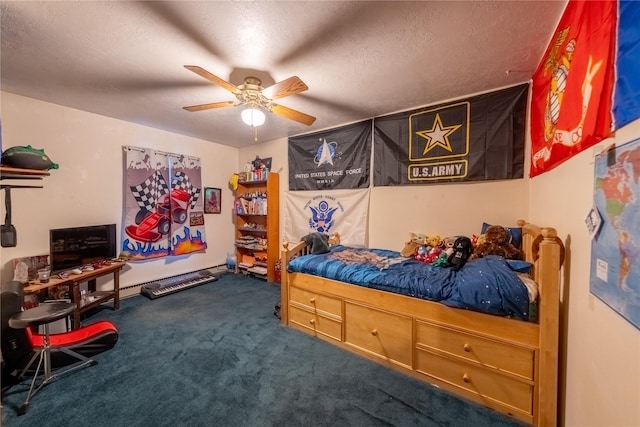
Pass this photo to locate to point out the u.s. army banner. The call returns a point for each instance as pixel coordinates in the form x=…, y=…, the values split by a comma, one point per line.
x=475, y=139
x=332, y=159
x=341, y=211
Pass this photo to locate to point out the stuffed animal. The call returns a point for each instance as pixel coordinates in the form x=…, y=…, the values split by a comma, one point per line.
x=334, y=239
x=496, y=241
x=447, y=244
x=433, y=254
x=462, y=250
x=431, y=248
x=411, y=247
x=421, y=254
x=433, y=241
x=441, y=261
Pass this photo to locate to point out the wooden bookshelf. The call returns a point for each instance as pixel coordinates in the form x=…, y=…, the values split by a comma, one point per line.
x=256, y=219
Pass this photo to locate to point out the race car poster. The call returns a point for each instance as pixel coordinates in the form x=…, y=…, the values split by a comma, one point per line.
x=164, y=211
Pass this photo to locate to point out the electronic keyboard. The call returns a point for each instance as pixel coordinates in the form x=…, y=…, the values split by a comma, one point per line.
x=171, y=285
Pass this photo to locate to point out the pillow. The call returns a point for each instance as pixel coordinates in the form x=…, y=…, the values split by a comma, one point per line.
x=531, y=285
x=519, y=266
x=514, y=232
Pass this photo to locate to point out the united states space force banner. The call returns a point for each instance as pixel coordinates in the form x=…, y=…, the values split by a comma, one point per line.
x=341, y=211
x=475, y=139
x=163, y=213
x=332, y=159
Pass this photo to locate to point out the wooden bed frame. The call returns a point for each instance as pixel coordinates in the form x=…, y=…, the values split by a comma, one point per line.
x=506, y=364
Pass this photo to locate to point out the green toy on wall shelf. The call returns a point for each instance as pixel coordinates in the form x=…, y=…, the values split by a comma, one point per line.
x=27, y=157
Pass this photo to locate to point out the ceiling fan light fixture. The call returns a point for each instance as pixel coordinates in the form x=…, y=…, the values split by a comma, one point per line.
x=252, y=94
x=253, y=117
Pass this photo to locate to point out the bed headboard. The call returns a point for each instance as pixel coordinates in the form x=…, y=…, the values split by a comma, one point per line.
x=534, y=238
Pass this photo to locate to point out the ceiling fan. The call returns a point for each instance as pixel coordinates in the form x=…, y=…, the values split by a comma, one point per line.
x=254, y=95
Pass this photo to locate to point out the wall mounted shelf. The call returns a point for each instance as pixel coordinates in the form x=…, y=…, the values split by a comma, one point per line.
x=8, y=172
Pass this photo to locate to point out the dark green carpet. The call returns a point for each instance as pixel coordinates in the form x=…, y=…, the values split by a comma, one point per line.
x=216, y=355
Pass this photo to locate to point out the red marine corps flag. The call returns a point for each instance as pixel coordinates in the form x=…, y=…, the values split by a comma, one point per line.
x=572, y=87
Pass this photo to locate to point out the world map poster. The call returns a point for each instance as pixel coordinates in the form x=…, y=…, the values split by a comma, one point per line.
x=615, y=249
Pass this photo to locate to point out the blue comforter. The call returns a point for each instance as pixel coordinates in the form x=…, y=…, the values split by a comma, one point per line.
x=486, y=284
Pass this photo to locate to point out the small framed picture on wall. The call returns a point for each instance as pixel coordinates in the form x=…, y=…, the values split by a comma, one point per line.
x=212, y=200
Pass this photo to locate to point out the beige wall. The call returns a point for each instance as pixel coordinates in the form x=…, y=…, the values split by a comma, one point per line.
x=600, y=349
x=87, y=188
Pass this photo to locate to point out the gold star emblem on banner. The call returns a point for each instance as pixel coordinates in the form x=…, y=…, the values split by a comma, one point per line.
x=438, y=135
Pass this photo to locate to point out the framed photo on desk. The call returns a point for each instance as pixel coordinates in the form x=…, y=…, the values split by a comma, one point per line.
x=212, y=200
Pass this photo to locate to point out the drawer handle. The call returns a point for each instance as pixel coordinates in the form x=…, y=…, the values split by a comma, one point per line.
x=312, y=300
x=374, y=332
x=466, y=348
x=312, y=321
x=466, y=378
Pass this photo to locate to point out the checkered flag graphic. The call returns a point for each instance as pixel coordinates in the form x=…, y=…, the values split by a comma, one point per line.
x=181, y=181
x=149, y=191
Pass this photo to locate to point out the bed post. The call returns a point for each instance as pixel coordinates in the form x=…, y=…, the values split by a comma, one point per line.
x=284, y=284
x=548, y=272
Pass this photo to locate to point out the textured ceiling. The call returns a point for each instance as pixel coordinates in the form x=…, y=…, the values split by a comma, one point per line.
x=359, y=59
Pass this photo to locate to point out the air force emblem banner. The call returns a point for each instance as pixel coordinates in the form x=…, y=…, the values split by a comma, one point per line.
x=341, y=211
x=332, y=159
x=475, y=139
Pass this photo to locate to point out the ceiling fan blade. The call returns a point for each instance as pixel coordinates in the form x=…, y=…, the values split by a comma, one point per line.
x=201, y=107
x=292, y=114
x=213, y=79
x=287, y=87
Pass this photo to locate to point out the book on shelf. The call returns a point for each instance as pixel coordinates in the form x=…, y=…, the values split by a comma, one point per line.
x=245, y=206
x=251, y=206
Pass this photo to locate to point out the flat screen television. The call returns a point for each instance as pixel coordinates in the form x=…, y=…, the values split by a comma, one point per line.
x=77, y=246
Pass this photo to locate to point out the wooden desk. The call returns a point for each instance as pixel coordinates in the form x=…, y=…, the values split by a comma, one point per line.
x=94, y=297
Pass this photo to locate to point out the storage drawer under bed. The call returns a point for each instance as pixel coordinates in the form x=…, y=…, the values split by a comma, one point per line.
x=487, y=352
x=315, y=302
x=485, y=383
x=315, y=323
x=383, y=334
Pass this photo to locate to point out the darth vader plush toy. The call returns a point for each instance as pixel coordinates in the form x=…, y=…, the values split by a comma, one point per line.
x=462, y=249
